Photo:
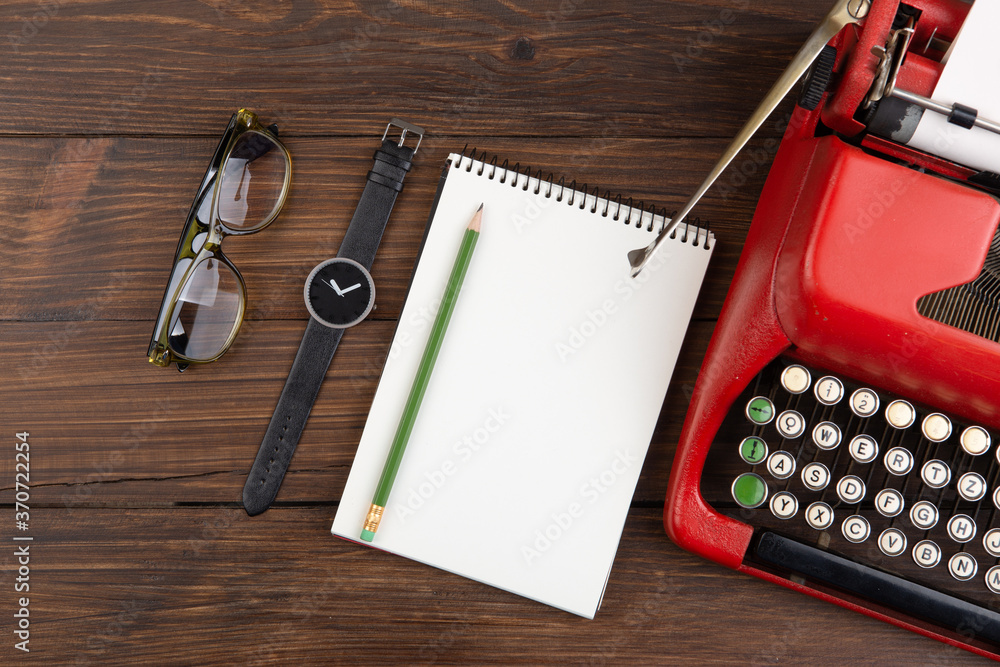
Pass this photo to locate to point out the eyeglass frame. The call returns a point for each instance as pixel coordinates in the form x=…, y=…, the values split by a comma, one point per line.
x=160, y=352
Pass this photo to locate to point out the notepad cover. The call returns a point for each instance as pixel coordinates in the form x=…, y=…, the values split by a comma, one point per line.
x=532, y=434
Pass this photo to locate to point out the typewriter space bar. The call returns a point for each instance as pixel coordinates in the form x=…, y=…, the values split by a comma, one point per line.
x=885, y=589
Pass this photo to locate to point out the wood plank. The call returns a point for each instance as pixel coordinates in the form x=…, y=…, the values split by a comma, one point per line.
x=90, y=226
x=109, y=429
x=213, y=586
x=142, y=553
x=473, y=68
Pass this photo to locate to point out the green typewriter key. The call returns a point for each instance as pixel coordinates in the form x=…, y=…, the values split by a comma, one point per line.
x=760, y=410
x=753, y=450
x=749, y=490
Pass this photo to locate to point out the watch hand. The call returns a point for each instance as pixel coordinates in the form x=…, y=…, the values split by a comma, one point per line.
x=332, y=283
x=348, y=289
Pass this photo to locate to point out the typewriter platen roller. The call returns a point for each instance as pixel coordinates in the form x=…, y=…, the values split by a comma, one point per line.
x=874, y=257
x=917, y=77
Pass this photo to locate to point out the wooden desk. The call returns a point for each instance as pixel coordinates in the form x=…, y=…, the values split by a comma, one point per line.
x=141, y=549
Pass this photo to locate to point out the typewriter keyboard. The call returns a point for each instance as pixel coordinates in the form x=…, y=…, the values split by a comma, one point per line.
x=816, y=459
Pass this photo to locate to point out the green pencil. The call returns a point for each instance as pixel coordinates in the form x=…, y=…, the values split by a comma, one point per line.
x=424, y=371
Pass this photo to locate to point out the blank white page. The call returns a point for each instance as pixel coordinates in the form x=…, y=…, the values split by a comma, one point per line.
x=540, y=409
x=969, y=78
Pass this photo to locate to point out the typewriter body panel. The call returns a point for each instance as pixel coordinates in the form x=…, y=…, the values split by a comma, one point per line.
x=860, y=265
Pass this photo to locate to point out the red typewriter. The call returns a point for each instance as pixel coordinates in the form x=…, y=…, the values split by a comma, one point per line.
x=843, y=438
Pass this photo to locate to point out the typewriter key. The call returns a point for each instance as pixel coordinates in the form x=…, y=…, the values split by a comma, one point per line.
x=892, y=542
x=889, y=503
x=962, y=566
x=749, y=490
x=795, y=379
x=760, y=410
x=900, y=414
x=936, y=427
x=936, y=474
x=924, y=515
x=971, y=486
x=753, y=450
x=961, y=528
x=851, y=489
x=863, y=448
x=864, y=402
x=829, y=390
x=993, y=579
x=784, y=505
x=781, y=465
x=898, y=461
x=815, y=476
x=926, y=554
x=826, y=435
x=819, y=515
x=991, y=542
x=790, y=424
x=975, y=440
x=855, y=529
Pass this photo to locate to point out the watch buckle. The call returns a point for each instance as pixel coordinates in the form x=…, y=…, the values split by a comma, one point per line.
x=406, y=128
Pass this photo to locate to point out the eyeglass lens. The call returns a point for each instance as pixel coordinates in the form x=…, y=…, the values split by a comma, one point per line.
x=252, y=182
x=207, y=311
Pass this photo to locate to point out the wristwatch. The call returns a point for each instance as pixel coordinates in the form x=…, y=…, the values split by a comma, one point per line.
x=339, y=293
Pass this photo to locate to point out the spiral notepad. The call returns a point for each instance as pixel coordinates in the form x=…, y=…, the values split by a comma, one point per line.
x=528, y=446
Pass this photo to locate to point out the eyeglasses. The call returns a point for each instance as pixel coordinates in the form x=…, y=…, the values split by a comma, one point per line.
x=242, y=191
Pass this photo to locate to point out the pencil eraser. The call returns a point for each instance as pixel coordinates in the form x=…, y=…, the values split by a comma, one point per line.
x=367, y=535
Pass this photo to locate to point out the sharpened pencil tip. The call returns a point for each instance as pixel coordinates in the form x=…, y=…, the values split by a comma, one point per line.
x=477, y=219
x=480, y=207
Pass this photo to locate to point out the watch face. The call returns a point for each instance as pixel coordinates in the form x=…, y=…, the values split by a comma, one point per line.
x=339, y=293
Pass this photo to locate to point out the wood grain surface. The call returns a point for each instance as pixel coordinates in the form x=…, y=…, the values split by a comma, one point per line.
x=141, y=551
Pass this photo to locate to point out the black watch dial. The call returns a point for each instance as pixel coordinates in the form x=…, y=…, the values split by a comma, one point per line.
x=339, y=293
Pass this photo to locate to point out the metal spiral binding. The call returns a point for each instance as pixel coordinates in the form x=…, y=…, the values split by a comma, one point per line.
x=522, y=177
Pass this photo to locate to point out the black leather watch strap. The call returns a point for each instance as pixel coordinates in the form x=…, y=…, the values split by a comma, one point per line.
x=385, y=181
x=297, y=398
